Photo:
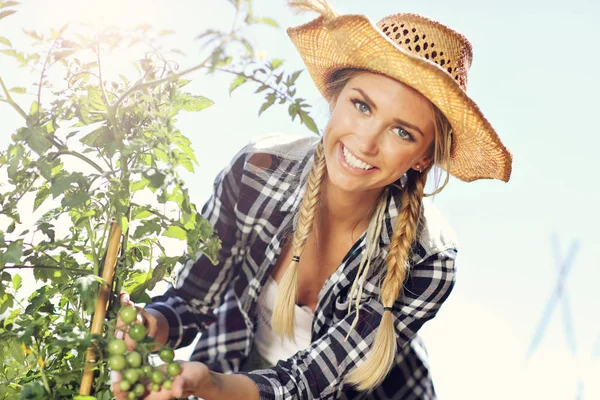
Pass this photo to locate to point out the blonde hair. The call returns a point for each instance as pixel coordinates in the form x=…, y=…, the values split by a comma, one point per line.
x=380, y=360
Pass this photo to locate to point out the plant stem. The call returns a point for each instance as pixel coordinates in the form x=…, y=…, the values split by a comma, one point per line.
x=44, y=377
x=108, y=105
x=10, y=101
x=252, y=78
x=155, y=82
x=78, y=155
x=75, y=270
x=39, y=96
x=93, y=246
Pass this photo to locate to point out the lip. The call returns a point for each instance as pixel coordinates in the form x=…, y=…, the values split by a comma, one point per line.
x=348, y=167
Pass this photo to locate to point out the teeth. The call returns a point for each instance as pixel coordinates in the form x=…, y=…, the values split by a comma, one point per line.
x=355, y=162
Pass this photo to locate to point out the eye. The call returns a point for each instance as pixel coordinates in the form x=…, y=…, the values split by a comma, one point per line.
x=361, y=106
x=403, y=133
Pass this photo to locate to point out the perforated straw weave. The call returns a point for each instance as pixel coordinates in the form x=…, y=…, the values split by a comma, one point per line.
x=422, y=53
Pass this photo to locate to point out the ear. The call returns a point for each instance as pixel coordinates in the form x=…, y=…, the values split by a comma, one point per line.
x=422, y=163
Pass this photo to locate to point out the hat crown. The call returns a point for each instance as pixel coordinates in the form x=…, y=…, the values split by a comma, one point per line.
x=448, y=49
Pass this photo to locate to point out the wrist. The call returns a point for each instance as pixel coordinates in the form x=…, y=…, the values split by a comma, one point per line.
x=210, y=387
x=158, y=327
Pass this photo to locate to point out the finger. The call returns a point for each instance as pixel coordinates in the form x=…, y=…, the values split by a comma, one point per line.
x=177, y=388
x=125, y=300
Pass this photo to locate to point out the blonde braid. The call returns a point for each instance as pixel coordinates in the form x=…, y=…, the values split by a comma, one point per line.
x=285, y=302
x=383, y=352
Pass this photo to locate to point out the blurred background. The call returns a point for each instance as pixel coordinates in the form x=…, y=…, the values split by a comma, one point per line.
x=522, y=321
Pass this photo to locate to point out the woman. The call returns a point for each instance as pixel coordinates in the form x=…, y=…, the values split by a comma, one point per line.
x=328, y=244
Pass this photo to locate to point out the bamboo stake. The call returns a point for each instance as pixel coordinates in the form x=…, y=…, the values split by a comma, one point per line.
x=108, y=270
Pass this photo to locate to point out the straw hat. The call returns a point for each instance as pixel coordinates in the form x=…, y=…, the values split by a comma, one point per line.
x=422, y=53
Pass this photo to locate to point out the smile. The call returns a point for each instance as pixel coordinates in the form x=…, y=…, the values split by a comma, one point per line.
x=354, y=161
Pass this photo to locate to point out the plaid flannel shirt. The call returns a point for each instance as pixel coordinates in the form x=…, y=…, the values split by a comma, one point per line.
x=253, y=210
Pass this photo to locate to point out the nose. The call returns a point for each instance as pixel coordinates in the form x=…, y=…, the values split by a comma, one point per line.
x=368, y=138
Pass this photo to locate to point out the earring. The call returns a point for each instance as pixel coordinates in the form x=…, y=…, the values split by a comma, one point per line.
x=418, y=168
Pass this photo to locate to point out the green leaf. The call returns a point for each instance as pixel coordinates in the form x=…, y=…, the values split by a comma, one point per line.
x=95, y=97
x=142, y=214
x=34, y=108
x=75, y=199
x=175, y=232
x=33, y=34
x=60, y=184
x=6, y=13
x=47, y=230
x=40, y=197
x=13, y=253
x=16, y=54
x=4, y=4
x=295, y=76
x=268, y=103
x=239, y=80
x=263, y=20
x=147, y=228
x=16, y=281
x=261, y=88
x=35, y=138
x=5, y=41
x=98, y=138
x=308, y=121
x=276, y=64
x=188, y=102
x=18, y=90
x=11, y=227
x=138, y=185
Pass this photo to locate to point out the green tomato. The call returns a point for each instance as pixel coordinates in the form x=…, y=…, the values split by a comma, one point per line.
x=139, y=390
x=147, y=370
x=116, y=362
x=167, y=355
x=134, y=359
x=156, y=387
x=156, y=376
x=117, y=346
x=131, y=396
x=124, y=385
x=132, y=375
x=168, y=384
x=128, y=314
x=173, y=369
x=137, y=332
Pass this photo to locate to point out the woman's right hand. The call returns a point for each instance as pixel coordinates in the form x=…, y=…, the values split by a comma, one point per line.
x=149, y=320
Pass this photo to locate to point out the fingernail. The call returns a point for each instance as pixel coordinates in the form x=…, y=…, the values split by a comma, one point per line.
x=114, y=376
x=119, y=334
x=125, y=298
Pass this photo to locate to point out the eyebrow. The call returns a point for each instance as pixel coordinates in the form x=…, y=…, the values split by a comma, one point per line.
x=396, y=120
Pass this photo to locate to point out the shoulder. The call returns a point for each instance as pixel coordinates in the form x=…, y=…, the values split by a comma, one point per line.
x=436, y=234
x=282, y=145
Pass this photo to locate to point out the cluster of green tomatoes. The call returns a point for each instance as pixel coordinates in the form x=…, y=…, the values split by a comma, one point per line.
x=133, y=365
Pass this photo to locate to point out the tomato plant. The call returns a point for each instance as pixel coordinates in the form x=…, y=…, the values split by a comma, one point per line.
x=89, y=144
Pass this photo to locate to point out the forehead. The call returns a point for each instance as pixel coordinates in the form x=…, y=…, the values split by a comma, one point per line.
x=386, y=88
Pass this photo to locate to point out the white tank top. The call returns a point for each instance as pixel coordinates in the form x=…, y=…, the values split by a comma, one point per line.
x=268, y=344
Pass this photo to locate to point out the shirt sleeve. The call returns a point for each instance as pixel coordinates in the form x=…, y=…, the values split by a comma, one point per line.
x=318, y=372
x=200, y=285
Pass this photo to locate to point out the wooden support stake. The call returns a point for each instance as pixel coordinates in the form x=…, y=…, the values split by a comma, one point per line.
x=108, y=272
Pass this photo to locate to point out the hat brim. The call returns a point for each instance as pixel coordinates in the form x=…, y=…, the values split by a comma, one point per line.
x=353, y=41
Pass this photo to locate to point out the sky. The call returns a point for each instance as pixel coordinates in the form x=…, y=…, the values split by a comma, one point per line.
x=533, y=76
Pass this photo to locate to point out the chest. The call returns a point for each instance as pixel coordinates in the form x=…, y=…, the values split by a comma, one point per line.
x=320, y=258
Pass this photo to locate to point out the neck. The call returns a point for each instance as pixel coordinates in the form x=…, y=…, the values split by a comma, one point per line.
x=343, y=211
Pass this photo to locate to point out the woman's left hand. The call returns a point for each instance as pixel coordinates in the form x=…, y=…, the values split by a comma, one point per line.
x=194, y=380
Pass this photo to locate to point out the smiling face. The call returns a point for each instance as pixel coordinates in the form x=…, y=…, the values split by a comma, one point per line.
x=378, y=129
